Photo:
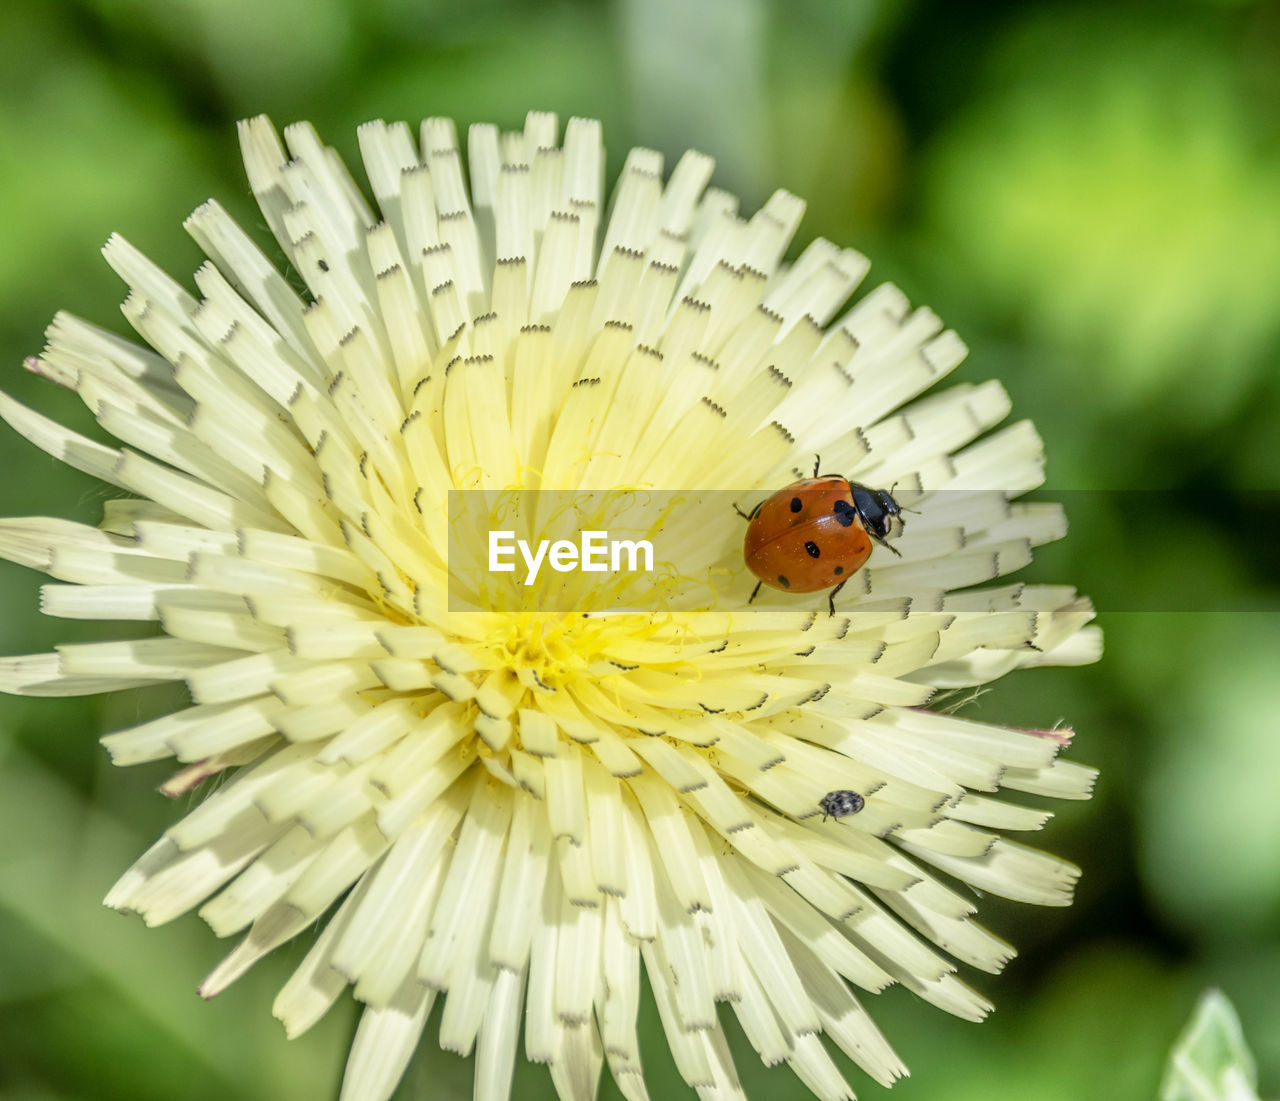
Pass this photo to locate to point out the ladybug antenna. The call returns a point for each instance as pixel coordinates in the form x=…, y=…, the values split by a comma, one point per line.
x=901, y=508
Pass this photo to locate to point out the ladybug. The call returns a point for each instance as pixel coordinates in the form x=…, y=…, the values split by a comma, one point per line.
x=816, y=533
x=840, y=804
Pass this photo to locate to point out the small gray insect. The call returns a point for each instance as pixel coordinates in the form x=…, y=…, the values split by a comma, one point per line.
x=839, y=804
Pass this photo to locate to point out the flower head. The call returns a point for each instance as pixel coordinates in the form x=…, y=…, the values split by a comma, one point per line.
x=518, y=812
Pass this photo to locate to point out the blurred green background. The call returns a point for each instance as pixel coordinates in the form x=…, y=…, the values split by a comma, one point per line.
x=1089, y=194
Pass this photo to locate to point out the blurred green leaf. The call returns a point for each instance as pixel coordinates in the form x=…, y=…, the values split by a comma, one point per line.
x=1210, y=1061
x=85, y=149
x=1210, y=819
x=131, y=1017
x=1115, y=192
x=285, y=52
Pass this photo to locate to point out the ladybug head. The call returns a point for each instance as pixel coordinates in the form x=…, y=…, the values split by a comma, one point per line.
x=877, y=510
x=892, y=510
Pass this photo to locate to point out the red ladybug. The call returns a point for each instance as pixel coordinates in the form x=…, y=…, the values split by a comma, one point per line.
x=816, y=533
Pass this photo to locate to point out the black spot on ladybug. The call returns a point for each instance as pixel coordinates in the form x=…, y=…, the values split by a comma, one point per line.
x=811, y=548
x=844, y=513
x=839, y=570
x=783, y=582
x=796, y=504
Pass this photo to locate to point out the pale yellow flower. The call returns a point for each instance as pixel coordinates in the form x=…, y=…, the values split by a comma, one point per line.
x=526, y=814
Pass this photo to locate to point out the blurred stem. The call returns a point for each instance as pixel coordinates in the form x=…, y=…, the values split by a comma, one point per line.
x=696, y=76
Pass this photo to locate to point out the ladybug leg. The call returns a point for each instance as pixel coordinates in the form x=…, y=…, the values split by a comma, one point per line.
x=755, y=592
x=831, y=596
x=884, y=543
x=817, y=462
x=752, y=514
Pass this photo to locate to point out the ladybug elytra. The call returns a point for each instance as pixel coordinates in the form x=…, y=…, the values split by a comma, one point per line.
x=816, y=533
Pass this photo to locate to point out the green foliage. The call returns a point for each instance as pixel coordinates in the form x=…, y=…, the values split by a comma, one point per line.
x=1089, y=194
x=1217, y=770
x=1114, y=188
